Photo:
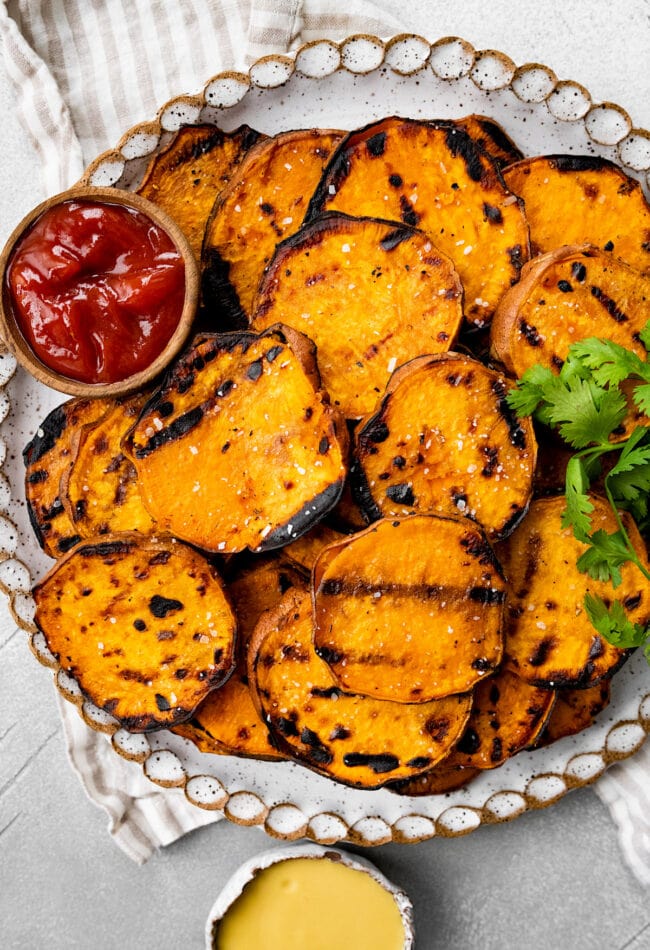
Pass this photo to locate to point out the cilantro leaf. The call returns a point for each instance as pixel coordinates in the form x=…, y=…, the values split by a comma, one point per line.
x=609, y=362
x=641, y=397
x=530, y=390
x=612, y=623
x=578, y=506
x=585, y=413
x=605, y=556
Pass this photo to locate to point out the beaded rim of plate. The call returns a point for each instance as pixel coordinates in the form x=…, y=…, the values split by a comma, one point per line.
x=450, y=59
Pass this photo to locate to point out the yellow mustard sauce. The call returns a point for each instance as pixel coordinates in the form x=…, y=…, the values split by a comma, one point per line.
x=313, y=903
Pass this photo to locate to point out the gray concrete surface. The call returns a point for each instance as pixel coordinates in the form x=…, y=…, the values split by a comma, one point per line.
x=551, y=880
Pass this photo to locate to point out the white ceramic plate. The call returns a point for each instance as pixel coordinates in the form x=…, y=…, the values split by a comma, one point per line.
x=345, y=86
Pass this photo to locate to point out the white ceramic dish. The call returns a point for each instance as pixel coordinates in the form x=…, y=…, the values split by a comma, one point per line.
x=247, y=872
x=345, y=85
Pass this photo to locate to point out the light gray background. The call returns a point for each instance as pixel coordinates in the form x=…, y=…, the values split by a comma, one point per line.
x=550, y=880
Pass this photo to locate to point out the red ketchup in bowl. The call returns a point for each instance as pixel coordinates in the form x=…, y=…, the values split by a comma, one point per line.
x=97, y=289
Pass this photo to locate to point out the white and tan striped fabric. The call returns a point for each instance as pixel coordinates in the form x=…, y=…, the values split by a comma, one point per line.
x=84, y=72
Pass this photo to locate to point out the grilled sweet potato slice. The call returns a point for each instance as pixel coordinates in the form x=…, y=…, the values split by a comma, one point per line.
x=492, y=139
x=264, y=202
x=434, y=176
x=370, y=294
x=438, y=781
x=549, y=638
x=354, y=739
x=142, y=624
x=227, y=721
x=575, y=710
x=577, y=199
x=409, y=610
x=259, y=449
x=508, y=714
x=567, y=295
x=100, y=489
x=444, y=440
x=47, y=458
x=186, y=177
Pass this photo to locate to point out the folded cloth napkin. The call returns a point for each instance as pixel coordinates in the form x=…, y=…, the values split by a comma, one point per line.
x=84, y=73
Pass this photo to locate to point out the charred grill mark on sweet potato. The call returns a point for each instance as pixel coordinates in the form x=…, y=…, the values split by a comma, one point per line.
x=48, y=457
x=186, y=177
x=446, y=179
x=582, y=199
x=492, y=139
x=354, y=739
x=383, y=295
x=401, y=613
x=550, y=641
x=264, y=202
x=460, y=447
x=100, y=489
x=227, y=721
x=508, y=714
x=89, y=607
x=250, y=459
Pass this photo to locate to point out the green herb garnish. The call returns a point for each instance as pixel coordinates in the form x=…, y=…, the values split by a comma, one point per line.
x=586, y=405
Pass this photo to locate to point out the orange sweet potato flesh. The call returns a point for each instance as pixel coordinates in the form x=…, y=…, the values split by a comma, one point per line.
x=444, y=440
x=142, y=624
x=237, y=449
x=371, y=295
x=306, y=549
x=47, y=457
x=227, y=721
x=409, y=610
x=356, y=740
x=186, y=177
x=565, y=295
x=508, y=714
x=577, y=199
x=264, y=203
x=575, y=710
x=434, y=176
x=549, y=638
x=100, y=489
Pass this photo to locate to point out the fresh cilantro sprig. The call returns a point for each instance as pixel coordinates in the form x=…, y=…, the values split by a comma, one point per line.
x=585, y=403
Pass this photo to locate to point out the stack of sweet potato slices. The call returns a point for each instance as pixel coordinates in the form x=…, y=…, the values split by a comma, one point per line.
x=324, y=536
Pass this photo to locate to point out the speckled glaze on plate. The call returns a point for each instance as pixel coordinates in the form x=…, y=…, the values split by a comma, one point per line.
x=344, y=85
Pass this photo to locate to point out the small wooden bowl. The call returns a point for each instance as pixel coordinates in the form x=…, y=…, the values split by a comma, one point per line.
x=16, y=342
